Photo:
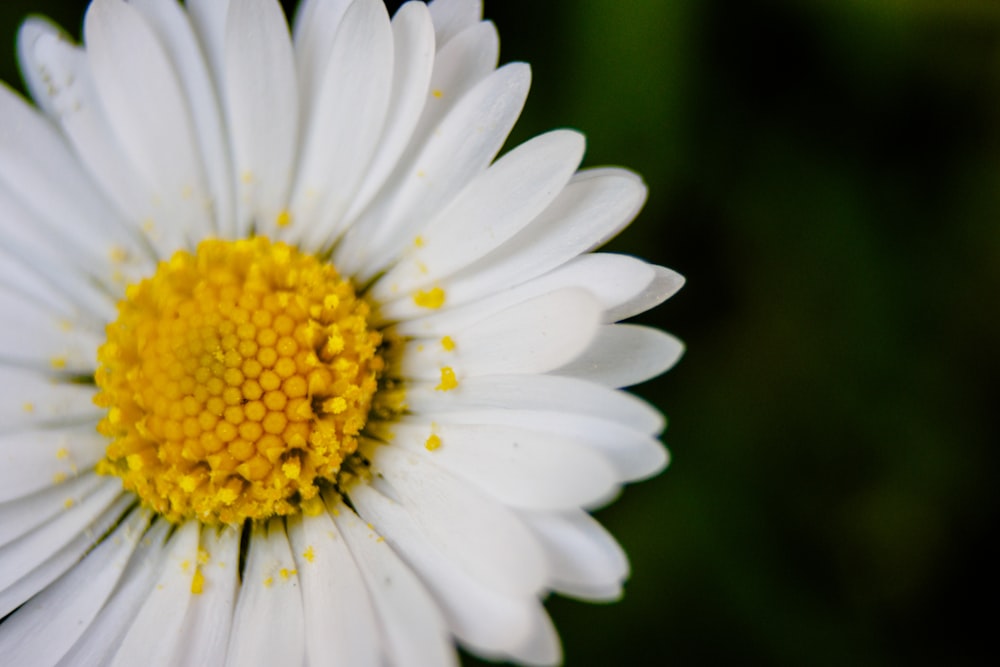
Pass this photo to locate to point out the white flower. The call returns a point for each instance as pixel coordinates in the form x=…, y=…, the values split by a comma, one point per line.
x=293, y=467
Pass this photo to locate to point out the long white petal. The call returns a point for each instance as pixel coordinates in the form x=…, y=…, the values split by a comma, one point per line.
x=664, y=285
x=461, y=147
x=344, y=122
x=47, y=626
x=35, y=460
x=483, y=618
x=209, y=616
x=174, y=29
x=145, y=105
x=35, y=560
x=587, y=562
x=20, y=516
x=96, y=647
x=493, y=208
x=536, y=336
x=339, y=619
x=154, y=636
x=479, y=534
x=268, y=624
x=519, y=468
x=453, y=16
x=537, y=392
x=73, y=216
x=594, y=207
x=413, y=50
x=59, y=77
x=611, y=279
x=622, y=355
x=262, y=106
x=633, y=454
x=30, y=399
x=414, y=633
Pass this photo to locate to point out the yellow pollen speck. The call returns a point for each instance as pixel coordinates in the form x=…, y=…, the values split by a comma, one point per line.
x=448, y=343
x=419, y=241
x=59, y=478
x=69, y=503
x=117, y=254
x=197, y=582
x=284, y=219
x=58, y=363
x=28, y=407
x=62, y=453
x=237, y=379
x=309, y=554
x=247, y=177
x=203, y=557
x=286, y=573
x=438, y=93
x=268, y=582
x=433, y=442
x=448, y=379
x=432, y=298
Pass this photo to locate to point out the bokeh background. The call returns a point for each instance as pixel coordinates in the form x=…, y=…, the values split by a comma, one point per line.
x=826, y=173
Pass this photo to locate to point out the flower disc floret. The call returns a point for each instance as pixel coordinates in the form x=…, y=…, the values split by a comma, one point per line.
x=236, y=379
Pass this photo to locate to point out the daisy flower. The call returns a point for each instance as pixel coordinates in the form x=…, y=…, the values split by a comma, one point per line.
x=293, y=367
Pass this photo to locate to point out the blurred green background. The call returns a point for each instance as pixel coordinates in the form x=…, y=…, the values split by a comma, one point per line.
x=826, y=173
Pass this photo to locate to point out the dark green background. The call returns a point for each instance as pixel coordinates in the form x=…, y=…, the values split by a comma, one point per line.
x=825, y=173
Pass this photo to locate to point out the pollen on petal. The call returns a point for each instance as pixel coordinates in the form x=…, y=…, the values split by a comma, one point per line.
x=432, y=298
x=448, y=379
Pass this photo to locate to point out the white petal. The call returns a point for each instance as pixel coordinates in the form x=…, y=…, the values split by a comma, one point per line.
x=542, y=647
x=59, y=78
x=480, y=536
x=461, y=147
x=46, y=627
x=622, y=355
x=611, y=279
x=344, y=122
x=316, y=21
x=145, y=105
x=453, y=16
x=30, y=400
x=595, y=206
x=20, y=516
x=210, y=614
x=96, y=647
x=413, y=52
x=535, y=336
x=174, y=29
x=262, y=105
x=458, y=68
x=633, y=454
x=414, y=632
x=154, y=636
x=268, y=622
x=664, y=285
x=36, y=559
x=34, y=460
x=493, y=208
x=339, y=619
x=487, y=620
x=517, y=467
x=73, y=216
x=31, y=264
x=587, y=562
x=538, y=392
x=208, y=18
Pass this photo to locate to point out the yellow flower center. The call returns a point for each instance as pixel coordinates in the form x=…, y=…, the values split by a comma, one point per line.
x=236, y=380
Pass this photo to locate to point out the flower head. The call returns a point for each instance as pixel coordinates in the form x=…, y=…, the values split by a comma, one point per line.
x=293, y=368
